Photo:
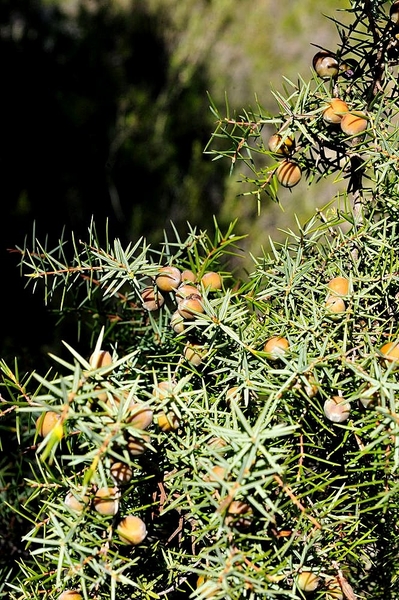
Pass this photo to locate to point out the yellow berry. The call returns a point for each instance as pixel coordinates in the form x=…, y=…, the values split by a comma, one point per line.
x=132, y=530
x=288, y=173
x=168, y=422
x=168, y=279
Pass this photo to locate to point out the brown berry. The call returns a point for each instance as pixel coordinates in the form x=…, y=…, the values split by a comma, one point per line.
x=140, y=415
x=288, y=173
x=137, y=446
x=168, y=279
x=190, y=306
x=132, y=530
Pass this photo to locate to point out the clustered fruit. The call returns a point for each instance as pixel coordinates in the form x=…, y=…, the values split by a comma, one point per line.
x=336, y=113
x=187, y=293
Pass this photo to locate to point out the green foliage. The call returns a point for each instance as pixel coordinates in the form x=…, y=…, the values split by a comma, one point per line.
x=248, y=465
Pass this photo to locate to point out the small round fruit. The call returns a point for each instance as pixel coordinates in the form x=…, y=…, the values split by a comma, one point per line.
x=349, y=68
x=168, y=421
x=335, y=305
x=335, y=110
x=308, y=581
x=137, y=446
x=106, y=501
x=339, y=286
x=177, y=322
x=100, y=358
x=190, y=306
x=132, y=530
x=188, y=275
x=140, y=415
x=70, y=595
x=336, y=409
x=121, y=472
x=240, y=514
x=46, y=422
x=354, y=123
x=168, y=279
x=152, y=299
x=281, y=145
x=211, y=281
x=194, y=354
x=74, y=504
x=325, y=64
x=186, y=289
x=217, y=473
x=276, y=347
x=390, y=351
x=288, y=173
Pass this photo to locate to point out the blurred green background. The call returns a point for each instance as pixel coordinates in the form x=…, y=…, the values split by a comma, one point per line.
x=105, y=114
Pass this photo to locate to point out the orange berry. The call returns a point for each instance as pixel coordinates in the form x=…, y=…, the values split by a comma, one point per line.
x=335, y=305
x=152, y=299
x=74, y=503
x=140, y=415
x=211, y=281
x=339, y=286
x=335, y=111
x=336, y=409
x=168, y=422
x=288, y=173
x=325, y=64
x=132, y=530
x=308, y=581
x=168, y=279
x=190, y=306
x=188, y=275
x=46, y=422
x=281, y=145
x=185, y=290
x=354, y=123
x=390, y=351
x=70, y=595
x=194, y=354
x=106, y=501
x=276, y=347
